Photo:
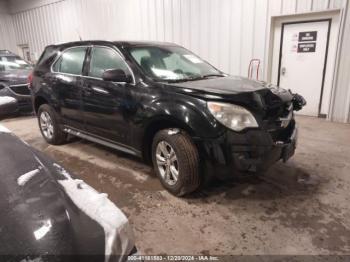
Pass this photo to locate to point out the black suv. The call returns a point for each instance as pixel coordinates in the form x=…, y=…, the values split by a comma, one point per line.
x=161, y=102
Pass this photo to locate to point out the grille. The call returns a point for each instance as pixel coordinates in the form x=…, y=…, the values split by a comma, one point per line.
x=21, y=90
x=278, y=111
x=283, y=134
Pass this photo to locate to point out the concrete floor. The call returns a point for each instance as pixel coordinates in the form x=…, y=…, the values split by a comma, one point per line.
x=301, y=207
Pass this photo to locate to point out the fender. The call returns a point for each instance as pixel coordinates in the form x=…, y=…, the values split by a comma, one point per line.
x=44, y=93
x=38, y=99
x=172, y=112
x=195, y=119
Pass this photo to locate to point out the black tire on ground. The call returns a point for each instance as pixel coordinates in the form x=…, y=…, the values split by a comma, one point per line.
x=187, y=161
x=59, y=137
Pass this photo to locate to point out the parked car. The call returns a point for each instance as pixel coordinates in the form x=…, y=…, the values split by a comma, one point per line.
x=14, y=72
x=48, y=215
x=8, y=106
x=161, y=102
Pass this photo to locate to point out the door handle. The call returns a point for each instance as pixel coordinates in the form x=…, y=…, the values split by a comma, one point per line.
x=283, y=71
x=100, y=90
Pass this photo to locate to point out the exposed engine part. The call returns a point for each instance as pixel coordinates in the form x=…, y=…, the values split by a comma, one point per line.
x=298, y=102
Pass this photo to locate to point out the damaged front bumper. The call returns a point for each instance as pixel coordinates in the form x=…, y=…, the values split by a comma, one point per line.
x=253, y=150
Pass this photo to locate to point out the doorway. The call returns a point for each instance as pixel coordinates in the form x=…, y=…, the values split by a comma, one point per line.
x=304, y=49
x=303, y=60
x=25, y=52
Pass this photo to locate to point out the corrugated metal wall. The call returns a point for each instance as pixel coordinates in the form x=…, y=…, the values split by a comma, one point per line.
x=340, y=104
x=7, y=33
x=227, y=33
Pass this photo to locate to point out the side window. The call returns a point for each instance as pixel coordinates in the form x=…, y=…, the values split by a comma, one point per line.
x=71, y=62
x=103, y=59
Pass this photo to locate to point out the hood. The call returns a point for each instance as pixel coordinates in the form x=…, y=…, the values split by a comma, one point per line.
x=223, y=85
x=15, y=77
x=239, y=90
x=47, y=211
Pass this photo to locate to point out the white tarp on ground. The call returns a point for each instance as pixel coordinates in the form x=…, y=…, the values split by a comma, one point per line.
x=7, y=100
x=23, y=179
x=119, y=238
x=4, y=129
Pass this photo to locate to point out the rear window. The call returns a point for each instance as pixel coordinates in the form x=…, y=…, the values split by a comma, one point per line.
x=47, y=57
x=71, y=61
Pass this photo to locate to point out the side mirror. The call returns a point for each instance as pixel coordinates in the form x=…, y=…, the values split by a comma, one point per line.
x=116, y=75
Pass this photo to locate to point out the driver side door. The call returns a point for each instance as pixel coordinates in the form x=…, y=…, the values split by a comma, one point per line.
x=104, y=102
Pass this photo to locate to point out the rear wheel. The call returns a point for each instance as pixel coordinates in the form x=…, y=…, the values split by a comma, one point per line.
x=176, y=161
x=49, y=125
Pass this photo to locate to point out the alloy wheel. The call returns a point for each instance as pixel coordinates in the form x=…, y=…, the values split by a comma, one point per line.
x=167, y=163
x=46, y=125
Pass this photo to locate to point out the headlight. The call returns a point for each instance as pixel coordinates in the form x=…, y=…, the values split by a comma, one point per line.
x=232, y=116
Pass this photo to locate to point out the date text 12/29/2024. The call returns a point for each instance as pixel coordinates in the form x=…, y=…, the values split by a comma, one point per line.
x=173, y=258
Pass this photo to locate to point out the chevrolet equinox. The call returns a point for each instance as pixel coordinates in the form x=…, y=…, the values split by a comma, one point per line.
x=165, y=104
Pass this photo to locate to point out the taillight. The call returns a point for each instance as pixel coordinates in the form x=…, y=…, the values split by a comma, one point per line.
x=30, y=80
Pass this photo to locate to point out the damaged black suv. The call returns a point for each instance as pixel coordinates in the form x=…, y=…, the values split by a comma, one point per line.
x=161, y=102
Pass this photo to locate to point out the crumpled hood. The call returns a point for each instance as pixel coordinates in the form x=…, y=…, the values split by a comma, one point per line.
x=223, y=85
x=15, y=77
x=239, y=90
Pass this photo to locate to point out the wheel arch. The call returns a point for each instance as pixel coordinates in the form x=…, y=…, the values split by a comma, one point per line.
x=38, y=101
x=155, y=126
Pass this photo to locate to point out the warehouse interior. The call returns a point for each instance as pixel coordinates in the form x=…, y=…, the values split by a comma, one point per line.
x=295, y=208
x=227, y=33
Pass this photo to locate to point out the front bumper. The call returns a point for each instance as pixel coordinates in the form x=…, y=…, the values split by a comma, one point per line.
x=252, y=150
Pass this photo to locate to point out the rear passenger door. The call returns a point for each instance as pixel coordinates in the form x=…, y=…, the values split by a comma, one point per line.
x=67, y=85
x=104, y=102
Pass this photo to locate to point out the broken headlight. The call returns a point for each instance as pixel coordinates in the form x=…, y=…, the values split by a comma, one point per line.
x=232, y=116
x=298, y=102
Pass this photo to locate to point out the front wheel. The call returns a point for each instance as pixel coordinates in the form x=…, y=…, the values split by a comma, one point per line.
x=176, y=161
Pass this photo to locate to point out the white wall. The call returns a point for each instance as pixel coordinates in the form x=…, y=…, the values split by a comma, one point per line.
x=228, y=33
x=7, y=33
x=340, y=104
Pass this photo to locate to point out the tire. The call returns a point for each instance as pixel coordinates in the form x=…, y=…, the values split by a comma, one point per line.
x=56, y=135
x=187, y=161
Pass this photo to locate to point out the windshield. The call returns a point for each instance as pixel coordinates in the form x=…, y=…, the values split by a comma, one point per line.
x=8, y=63
x=172, y=63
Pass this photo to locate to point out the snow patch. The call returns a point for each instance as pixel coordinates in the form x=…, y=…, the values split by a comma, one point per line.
x=62, y=171
x=43, y=230
x=4, y=100
x=4, y=129
x=119, y=238
x=23, y=179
